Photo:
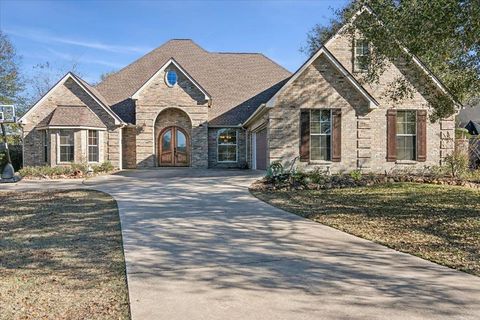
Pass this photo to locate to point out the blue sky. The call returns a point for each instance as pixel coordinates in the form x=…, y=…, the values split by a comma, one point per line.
x=101, y=36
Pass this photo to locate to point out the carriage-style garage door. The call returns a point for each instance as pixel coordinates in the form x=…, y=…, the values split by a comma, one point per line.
x=261, y=149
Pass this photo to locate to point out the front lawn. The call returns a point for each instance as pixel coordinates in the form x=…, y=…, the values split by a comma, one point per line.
x=438, y=223
x=61, y=256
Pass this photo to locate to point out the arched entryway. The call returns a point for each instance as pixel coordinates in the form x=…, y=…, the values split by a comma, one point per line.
x=173, y=144
x=173, y=148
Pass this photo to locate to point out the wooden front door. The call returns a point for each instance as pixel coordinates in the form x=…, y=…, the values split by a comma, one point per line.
x=173, y=148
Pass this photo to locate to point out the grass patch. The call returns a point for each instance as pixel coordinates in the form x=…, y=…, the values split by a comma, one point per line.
x=437, y=223
x=61, y=256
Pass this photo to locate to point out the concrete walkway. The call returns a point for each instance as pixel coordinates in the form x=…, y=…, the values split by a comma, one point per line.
x=199, y=246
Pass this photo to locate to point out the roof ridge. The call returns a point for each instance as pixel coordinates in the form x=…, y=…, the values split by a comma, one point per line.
x=148, y=54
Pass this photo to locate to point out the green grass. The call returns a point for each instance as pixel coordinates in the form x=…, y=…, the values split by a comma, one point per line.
x=437, y=223
x=61, y=256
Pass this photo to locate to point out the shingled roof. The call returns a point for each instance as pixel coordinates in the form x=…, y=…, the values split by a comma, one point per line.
x=237, y=82
x=72, y=116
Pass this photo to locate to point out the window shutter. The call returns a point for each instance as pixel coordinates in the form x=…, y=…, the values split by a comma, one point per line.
x=421, y=135
x=305, y=135
x=391, y=135
x=336, y=135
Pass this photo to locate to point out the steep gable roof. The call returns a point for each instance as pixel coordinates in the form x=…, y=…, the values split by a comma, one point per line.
x=72, y=116
x=91, y=91
x=324, y=51
x=230, y=79
x=438, y=83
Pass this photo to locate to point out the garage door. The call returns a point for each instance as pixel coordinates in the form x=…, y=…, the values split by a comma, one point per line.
x=261, y=149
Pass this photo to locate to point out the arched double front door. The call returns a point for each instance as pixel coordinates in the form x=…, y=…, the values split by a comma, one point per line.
x=173, y=147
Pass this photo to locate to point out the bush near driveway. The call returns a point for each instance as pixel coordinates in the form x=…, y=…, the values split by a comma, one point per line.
x=61, y=256
x=74, y=170
x=436, y=222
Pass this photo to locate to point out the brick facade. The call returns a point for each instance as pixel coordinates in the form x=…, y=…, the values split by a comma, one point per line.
x=157, y=106
x=68, y=94
x=322, y=86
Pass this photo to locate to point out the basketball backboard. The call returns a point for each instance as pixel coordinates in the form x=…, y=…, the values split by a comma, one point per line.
x=7, y=114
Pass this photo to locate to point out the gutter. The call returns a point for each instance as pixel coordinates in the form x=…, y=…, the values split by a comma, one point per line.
x=254, y=115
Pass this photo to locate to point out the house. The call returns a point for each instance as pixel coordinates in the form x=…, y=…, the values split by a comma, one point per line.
x=181, y=105
x=469, y=118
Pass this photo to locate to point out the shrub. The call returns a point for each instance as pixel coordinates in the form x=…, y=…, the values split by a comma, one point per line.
x=356, y=175
x=318, y=176
x=69, y=170
x=457, y=163
x=105, y=167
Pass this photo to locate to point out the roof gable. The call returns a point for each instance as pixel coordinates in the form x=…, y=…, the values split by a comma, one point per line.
x=324, y=51
x=437, y=82
x=71, y=117
x=85, y=86
x=171, y=61
x=230, y=79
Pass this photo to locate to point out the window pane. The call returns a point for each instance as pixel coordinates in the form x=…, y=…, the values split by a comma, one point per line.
x=325, y=127
x=410, y=116
x=227, y=136
x=315, y=115
x=227, y=145
x=92, y=137
x=315, y=154
x=315, y=141
x=93, y=153
x=181, y=141
x=320, y=134
x=167, y=140
x=406, y=147
x=227, y=153
x=410, y=148
x=410, y=128
x=315, y=127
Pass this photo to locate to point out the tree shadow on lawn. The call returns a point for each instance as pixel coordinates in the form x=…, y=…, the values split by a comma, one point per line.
x=72, y=234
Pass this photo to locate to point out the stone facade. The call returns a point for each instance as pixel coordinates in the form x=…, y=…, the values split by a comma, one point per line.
x=133, y=142
x=363, y=134
x=157, y=97
x=68, y=94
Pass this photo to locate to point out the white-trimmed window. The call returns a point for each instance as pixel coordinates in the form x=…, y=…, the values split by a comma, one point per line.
x=361, y=55
x=227, y=145
x=66, y=146
x=93, y=154
x=406, y=135
x=321, y=134
x=45, y=146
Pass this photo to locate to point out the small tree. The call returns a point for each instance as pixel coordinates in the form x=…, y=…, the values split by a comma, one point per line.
x=457, y=163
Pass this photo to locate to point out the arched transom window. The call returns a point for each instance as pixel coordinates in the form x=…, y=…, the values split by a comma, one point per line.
x=227, y=145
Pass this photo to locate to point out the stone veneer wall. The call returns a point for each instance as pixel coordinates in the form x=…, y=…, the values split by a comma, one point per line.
x=212, y=150
x=440, y=135
x=363, y=130
x=158, y=97
x=129, y=147
x=69, y=93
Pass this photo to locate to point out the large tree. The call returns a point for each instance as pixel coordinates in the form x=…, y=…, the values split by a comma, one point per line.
x=444, y=34
x=10, y=82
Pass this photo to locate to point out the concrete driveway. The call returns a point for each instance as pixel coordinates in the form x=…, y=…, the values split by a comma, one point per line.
x=199, y=246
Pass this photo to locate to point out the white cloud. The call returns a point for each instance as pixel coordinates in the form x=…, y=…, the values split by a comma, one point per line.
x=46, y=37
x=83, y=60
